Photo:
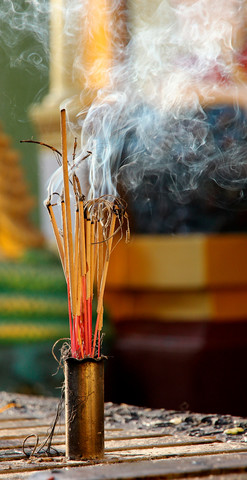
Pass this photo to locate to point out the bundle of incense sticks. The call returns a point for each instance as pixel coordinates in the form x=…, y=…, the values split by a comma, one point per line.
x=85, y=248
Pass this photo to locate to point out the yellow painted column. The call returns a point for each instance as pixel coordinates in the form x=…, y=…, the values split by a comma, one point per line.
x=97, y=56
x=179, y=278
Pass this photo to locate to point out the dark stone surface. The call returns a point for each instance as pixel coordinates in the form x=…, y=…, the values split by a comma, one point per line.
x=130, y=417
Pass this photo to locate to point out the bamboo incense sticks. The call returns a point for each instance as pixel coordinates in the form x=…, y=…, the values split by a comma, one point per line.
x=85, y=235
x=85, y=246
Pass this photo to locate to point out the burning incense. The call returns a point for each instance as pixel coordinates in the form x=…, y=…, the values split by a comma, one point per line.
x=84, y=248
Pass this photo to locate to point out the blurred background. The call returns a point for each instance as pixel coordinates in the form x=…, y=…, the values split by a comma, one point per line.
x=176, y=298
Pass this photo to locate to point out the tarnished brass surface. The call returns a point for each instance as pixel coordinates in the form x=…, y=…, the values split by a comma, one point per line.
x=84, y=408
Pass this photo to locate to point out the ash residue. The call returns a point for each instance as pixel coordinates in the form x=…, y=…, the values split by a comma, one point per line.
x=127, y=418
x=26, y=406
x=173, y=422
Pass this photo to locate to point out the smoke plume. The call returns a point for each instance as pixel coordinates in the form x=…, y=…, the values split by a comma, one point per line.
x=169, y=108
x=162, y=118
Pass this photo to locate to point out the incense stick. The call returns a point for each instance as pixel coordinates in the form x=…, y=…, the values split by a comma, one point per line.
x=106, y=264
x=57, y=235
x=99, y=320
x=67, y=206
x=85, y=250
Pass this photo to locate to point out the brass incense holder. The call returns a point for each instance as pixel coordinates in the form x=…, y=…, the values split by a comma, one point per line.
x=84, y=408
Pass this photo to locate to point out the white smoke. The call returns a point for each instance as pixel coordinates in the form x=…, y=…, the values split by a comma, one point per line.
x=151, y=116
x=22, y=22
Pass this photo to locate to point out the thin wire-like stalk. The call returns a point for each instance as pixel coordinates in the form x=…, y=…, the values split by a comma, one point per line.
x=106, y=264
x=57, y=235
x=82, y=238
x=67, y=207
x=88, y=257
x=99, y=320
x=76, y=270
x=92, y=256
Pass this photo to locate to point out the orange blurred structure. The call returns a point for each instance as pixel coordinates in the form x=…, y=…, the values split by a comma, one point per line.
x=17, y=232
x=97, y=57
x=179, y=278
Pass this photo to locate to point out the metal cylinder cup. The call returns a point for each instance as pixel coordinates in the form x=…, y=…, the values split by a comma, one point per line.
x=84, y=408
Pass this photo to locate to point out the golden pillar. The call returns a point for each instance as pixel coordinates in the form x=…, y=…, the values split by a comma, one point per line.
x=81, y=54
